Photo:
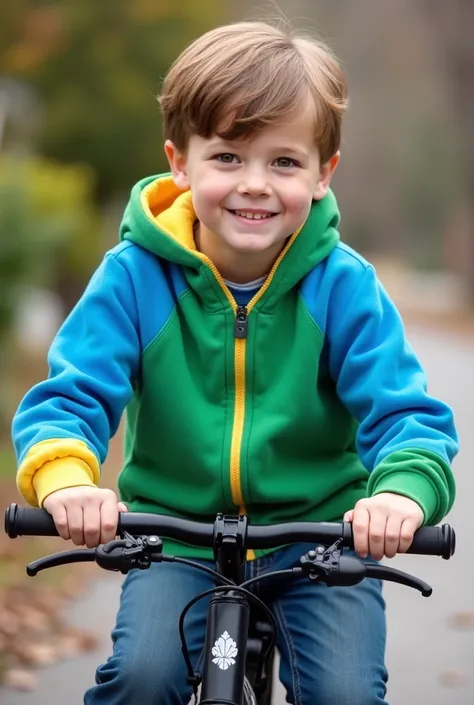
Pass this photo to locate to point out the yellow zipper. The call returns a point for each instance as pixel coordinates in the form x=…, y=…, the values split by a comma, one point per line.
x=239, y=357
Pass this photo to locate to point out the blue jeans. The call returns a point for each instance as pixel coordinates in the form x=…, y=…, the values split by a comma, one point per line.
x=331, y=640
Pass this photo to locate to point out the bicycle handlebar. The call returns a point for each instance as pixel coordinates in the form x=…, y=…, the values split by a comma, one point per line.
x=428, y=540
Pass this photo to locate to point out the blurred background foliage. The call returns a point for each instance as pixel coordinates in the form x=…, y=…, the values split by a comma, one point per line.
x=96, y=68
x=79, y=124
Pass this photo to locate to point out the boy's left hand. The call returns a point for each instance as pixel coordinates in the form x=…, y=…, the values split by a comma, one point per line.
x=384, y=525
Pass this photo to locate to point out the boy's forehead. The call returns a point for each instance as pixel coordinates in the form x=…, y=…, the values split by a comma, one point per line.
x=297, y=129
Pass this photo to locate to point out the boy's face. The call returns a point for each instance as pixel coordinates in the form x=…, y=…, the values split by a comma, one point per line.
x=251, y=195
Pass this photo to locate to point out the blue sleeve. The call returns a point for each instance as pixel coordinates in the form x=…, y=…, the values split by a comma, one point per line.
x=93, y=363
x=406, y=438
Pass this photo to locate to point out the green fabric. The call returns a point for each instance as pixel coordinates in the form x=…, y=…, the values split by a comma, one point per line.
x=420, y=475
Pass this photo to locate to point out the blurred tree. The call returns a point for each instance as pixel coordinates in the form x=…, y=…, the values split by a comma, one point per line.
x=48, y=225
x=452, y=25
x=97, y=66
x=426, y=195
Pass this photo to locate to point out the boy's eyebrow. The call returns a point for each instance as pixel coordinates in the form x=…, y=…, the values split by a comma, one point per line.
x=294, y=150
x=221, y=143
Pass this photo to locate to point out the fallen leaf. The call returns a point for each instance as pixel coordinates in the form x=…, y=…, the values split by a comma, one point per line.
x=462, y=620
x=89, y=642
x=80, y=639
x=68, y=646
x=33, y=619
x=9, y=623
x=35, y=654
x=453, y=678
x=20, y=679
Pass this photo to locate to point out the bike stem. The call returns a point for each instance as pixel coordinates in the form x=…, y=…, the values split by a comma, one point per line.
x=228, y=618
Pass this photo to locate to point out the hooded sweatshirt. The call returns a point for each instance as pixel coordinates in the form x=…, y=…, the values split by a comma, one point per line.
x=289, y=408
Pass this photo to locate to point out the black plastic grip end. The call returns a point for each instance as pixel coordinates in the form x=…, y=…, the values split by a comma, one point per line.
x=448, y=541
x=10, y=521
x=28, y=521
x=434, y=541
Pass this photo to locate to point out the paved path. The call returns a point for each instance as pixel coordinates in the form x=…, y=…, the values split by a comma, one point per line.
x=430, y=663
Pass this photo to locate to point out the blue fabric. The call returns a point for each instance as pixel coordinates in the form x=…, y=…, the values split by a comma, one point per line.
x=331, y=640
x=94, y=360
x=243, y=296
x=377, y=375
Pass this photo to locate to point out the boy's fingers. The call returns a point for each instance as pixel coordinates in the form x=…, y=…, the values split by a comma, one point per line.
x=108, y=518
x=377, y=527
x=59, y=515
x=392, y=536
x=91, y=524
x=360, y=531
x=122, y=507
x=75, y=520
x=348, y=516
x=407, y=530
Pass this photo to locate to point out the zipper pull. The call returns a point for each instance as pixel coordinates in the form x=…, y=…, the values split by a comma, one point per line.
x=241, y=321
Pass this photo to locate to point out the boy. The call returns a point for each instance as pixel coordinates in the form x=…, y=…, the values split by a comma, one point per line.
x=262, y=367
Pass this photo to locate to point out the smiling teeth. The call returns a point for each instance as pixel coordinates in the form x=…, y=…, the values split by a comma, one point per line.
x=253, y=216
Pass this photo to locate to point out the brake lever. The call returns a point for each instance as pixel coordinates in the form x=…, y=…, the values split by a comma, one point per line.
x=393, y=575
x=332, y=567
x=79, y=555
x=119, y=555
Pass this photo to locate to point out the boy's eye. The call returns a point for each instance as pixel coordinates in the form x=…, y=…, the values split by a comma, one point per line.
x=285, y=162
x=225, y=158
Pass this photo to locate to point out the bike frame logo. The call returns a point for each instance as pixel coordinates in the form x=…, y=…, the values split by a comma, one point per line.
x=224, y=650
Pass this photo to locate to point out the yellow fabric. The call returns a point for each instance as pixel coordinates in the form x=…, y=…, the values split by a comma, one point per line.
x=172, y=211
x=53, y=475
x=176, y=218
x=54, y=465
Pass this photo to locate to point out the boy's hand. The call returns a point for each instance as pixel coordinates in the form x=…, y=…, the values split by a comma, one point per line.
x=384, y=525
x=86, y=515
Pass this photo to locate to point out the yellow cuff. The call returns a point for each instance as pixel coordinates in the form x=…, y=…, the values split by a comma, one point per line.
x=43, y=470
x=60, y=474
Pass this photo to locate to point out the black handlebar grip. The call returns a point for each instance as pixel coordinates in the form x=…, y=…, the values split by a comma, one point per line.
x=434, y=541
x=28, y=521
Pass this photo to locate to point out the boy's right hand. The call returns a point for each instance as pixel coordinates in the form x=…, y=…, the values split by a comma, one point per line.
x=86, y=515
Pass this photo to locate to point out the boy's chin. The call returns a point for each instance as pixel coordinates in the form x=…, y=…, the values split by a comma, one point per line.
x=252, y=250
x=256, y=243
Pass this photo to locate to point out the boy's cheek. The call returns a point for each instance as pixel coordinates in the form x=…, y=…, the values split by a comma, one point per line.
x=208, y=193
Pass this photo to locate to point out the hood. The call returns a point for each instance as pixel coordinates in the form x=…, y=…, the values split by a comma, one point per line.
x=159, y=217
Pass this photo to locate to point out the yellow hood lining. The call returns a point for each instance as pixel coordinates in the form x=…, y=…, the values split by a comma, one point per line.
x=171, y=210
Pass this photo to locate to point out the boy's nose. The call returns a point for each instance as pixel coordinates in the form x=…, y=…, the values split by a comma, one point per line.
x=254, y=183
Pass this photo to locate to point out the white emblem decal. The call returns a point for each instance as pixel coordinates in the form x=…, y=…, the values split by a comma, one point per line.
x=224, y=650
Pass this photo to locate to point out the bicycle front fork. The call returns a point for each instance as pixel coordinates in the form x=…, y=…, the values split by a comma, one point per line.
x=225, y=650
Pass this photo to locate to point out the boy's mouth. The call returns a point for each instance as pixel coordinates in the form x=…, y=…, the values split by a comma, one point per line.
x=252, y=214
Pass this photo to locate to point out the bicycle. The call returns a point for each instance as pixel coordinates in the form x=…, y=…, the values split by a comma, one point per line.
x=239, y=647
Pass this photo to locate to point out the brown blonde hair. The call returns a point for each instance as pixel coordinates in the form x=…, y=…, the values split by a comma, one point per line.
x=235, y=79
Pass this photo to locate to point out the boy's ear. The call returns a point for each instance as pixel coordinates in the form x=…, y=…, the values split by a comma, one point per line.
x=326, y=172
x=177, y=162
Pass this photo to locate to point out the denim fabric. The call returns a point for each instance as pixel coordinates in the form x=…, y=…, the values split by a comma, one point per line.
x=331, y=640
